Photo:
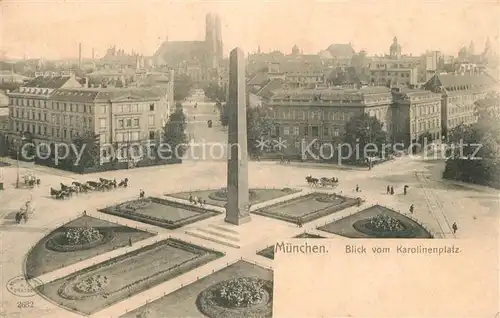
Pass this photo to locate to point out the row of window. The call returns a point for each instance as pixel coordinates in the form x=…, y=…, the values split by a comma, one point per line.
x=464, y=109
x=471, y=98
x=464, y=119
x=311, y=115
x=425, y=125
x=395, y=74
x=427, y=109
x=44, y=130
x=67, y=120
x=81, y=108
x=131, y=122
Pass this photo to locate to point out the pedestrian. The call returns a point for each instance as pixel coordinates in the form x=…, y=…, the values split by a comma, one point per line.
x=357, y=188
x=412, y=208
x=141, y=194
x=392, y=190
x=84, y=212
x=388, y=189
x=129, y=241
x=454, y=227
x=405, y=189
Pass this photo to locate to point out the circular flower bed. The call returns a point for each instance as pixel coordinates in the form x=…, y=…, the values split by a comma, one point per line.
x=383, y=225
x=239, y=297
x=221, y=195
x=75, y=239
x=92, y=284
x=330, y=198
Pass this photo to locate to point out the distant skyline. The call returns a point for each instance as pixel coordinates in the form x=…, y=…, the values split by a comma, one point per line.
x=52, y=29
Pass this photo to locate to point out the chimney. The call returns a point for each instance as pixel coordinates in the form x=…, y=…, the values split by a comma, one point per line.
x=80, y=55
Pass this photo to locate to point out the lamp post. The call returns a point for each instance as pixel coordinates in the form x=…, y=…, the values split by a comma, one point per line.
x=368, y=128
x=19, y=144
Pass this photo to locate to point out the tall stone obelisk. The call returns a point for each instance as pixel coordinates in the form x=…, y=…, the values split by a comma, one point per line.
x=237, y=209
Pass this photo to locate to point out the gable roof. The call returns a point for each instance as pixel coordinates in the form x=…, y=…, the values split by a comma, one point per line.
x=341, y=50
x=268, y=90
x=178, y=51
x=100, y=95
x=456, y=80
x=53, y=82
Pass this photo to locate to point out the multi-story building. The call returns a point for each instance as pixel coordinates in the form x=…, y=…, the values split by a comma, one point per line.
x=394, y=70
x=459, y=92
x=416, y=114
x=58, y=109
x=320, y=115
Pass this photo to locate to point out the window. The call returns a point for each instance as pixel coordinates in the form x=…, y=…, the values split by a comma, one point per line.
x=103, y=109
x=151, y=107
x=119, y=137
x=44, y=116
x=129, y=122
x=286, y=131
x=126, y=108
x=295, y=130
x=65, y=133
x=102, y=139
x=120, y=123
x=135, y=135
x=315, y=131
x=151, y=135
x=39, y=116
x=102, y=123
x=151, y=120
x=58, y=132
x=136, y=122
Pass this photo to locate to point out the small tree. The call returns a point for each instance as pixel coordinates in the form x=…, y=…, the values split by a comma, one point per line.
x=182, y=86
x=91, y=153
x=363, y=130
x=259, y=126
x=174, y=134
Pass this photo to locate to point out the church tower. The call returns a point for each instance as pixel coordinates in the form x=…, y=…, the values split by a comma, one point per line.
x=213, y=39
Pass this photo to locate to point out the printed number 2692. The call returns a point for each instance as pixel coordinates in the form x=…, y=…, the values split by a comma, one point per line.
x=25, y=304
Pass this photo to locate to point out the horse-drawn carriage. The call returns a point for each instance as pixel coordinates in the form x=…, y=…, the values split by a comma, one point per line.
x=324, y=182
x=76, y=187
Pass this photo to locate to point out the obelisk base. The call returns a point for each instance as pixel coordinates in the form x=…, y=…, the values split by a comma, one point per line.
x=236, y=219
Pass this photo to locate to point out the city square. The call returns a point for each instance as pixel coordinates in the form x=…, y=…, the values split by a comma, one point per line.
x=472, y=207
x=263, y=149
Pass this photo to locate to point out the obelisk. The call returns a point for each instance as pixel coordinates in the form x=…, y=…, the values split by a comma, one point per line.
x=237, y=209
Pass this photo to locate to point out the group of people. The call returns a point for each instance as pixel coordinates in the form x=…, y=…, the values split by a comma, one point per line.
x=196, y=200
x=390, y=189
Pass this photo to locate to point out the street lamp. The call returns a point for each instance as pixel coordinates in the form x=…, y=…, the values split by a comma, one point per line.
x=369, y=142
x=19, y=144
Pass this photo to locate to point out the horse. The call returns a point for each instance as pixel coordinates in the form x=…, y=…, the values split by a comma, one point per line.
x=123, y=183
x=19, y=217
x=312, y=181
x=69, y=189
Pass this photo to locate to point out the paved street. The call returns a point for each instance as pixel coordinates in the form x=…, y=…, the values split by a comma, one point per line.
x=437, y=203
x=206, y=143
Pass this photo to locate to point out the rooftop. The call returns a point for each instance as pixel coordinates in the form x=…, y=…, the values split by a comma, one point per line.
x=93, y=95
x=331, y=93
x=53, y=82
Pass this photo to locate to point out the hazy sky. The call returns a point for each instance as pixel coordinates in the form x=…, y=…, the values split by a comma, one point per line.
x=52, y=28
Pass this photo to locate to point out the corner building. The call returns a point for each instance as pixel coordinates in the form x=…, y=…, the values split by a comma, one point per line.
x=56, y=110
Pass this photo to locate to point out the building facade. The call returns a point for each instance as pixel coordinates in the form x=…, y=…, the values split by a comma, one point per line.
x=459, y=92
x=416, y=114
x=319, y=115
x=57, y=110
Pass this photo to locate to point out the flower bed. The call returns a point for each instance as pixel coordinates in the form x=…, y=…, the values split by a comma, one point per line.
x=131, y=210
x=70, y=240
x=221, y=195
x=237, y=297
x=384, y=226
x=91, y=284
x=311, y=215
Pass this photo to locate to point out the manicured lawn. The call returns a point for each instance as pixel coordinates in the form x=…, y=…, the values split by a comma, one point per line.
x=344, y=227
x=182, y=302
x=41, y=259
x=160, y=212
x=261, y=195
x=306, y=208
x=128, y=275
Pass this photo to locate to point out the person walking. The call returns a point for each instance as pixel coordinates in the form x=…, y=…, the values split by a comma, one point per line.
x=412, y=208
x=454, y=227
x=357, y=188
x=392, y=190
x=388, y=189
